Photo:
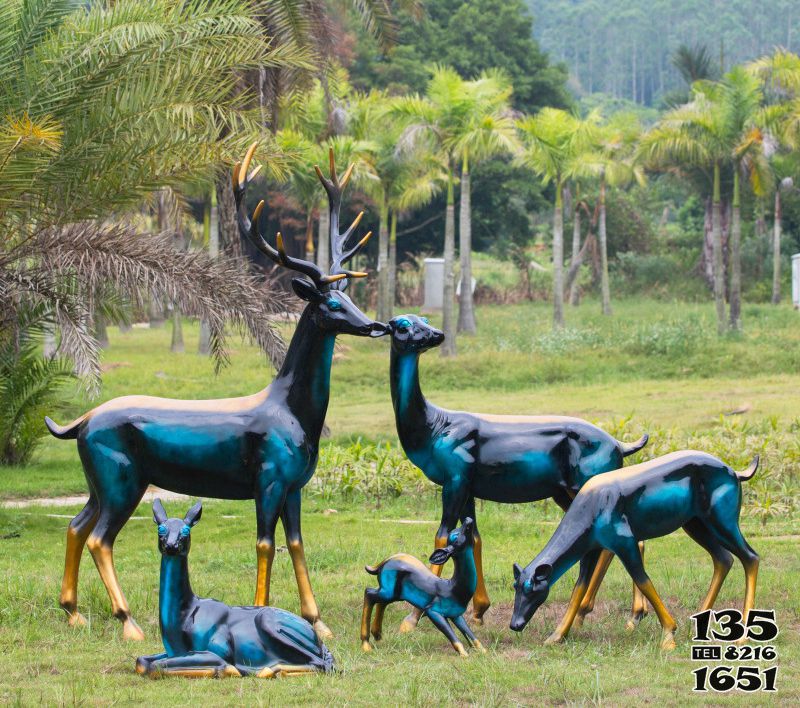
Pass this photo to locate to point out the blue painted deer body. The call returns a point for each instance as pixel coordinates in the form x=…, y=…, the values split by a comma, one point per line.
x=205, y=637
x=404, y=577
x=611, y=513
x=507, y=459
x=262, y=447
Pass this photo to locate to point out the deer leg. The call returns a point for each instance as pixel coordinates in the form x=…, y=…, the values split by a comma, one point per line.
x=269, y=501
x=444, y=627
x=101, y=546
x=454, y=498
x=144, y=663
x=370, y=597
x=723, y=560
x=377, y=622
x=290, y=516
x=463, y=627
x=587, y=568
x=639, y=603
x=480, y=600
x=587, y=604
x=631, y=557
x=195, y=664
x=77, y=533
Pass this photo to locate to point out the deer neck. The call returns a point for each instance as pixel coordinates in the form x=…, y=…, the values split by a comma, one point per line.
x=175, y=596
x=570, y=542
x=410, y=406
x=465, y=575
x=305, y=376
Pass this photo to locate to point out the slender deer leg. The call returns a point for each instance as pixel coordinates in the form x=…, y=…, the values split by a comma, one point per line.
x=366, y=612
x=269, y=500
x=587, y=604
x=444, y=627
x=77, y=533
x=377, y=621
x=294, y=540
x=101, y=546
x=196, y=664
x=480, y=600
x=588, y=565
x=411, y=620
x=723, y=560
x=639, y=604
x=463, y=627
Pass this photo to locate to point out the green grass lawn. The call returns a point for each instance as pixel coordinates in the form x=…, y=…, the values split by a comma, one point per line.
x=655, y=367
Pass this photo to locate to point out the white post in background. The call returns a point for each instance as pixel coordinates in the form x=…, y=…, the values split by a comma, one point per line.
x=796, y=281
x=434, y=283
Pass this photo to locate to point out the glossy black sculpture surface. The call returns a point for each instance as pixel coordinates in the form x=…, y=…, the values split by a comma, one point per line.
x=690, y=490
x=501, y=458
x=204, y=637
x=262, y=447
x=404, y=577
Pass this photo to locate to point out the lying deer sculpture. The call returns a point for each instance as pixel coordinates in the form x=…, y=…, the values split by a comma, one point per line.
x=205, y=637
x=689, y=489
x=262, y=447
x=507, y=459
x=403, y=577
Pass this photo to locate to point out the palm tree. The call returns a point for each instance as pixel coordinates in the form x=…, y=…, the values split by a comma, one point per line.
x=457, y=117
x=553, y=142
x=97, y=117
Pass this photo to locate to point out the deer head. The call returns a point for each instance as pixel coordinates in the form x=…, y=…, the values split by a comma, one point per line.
x=333, y=309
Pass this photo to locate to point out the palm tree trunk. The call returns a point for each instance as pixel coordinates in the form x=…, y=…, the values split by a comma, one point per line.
x=558, y=259
x=383, y=264
x=448, y=293
x=716, y=244
x=211, y=228
x=605, y=287
x=391, y=297
x=576, y=247
x=176, y=346
x=776, y=249
x=100, y=330
x=736, y=256
x=466, y=309
x=155, y=311
x=323, y=243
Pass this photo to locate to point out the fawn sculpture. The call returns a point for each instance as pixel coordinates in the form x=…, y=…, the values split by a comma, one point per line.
x=688, y=489
x=262, y=447
x=507, y=459
x=404, y=577
x=205, y=637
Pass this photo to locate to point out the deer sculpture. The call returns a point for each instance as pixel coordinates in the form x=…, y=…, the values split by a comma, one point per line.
x=262, y=447
x=611, y=513
x=501, y=458
x=404, y=577
x=207, y=638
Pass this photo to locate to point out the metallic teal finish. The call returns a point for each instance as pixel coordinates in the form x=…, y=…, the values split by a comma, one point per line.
x=690, y=490
x=200, y=633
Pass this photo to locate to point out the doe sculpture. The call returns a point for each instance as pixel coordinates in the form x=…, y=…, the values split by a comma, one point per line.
x=502, y=458
x=611, y=513
x=262, y=447
x=204, y=637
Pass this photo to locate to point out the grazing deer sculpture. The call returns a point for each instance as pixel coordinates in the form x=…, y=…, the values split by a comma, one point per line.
x=611, y=513
x=262, y=447
x=501, y=458
x=404, y=577
x=205, y=637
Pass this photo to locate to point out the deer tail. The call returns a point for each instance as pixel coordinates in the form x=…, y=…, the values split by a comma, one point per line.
x=744, y=475
x=64, y=432
x=630, y=448
x=373, y=569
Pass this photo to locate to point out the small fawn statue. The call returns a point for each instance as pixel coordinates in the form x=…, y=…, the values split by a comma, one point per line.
x=207, y=638
x=404, y=577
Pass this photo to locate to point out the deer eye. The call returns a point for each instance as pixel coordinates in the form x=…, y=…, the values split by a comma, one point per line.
x=185, y=531
x=425, y=320
x=334, y=305
x=527, y=586
x=162, y=530
x=403, y=323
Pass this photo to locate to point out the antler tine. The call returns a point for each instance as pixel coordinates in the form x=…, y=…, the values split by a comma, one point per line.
x=346, y=177
x=332, y=162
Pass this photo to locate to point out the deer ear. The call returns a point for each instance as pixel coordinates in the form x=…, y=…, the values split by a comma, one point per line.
x=194, y=514
x=441, y=555
x=159, y=514
x=306, y=291
x=543, y=571
x=517, y=571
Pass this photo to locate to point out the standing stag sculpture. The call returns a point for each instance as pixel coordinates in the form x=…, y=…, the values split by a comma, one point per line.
x=502, y=458
x=262, y=447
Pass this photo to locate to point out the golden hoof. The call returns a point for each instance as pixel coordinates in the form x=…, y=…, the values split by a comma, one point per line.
x=409, y=624
x=76, y=619
x=265, y=673
x=477, y=621
x=578, y=621
x=132, y=631
x=230, y=672
x=459, y=647
x=668, y=641
x=141, y=669
x=366, y=646
x=554, y=638
x=477, y=646
x=631, y=625
x=322, y=630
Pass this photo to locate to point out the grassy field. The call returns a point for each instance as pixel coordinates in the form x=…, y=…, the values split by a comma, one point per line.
x=653, y=367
